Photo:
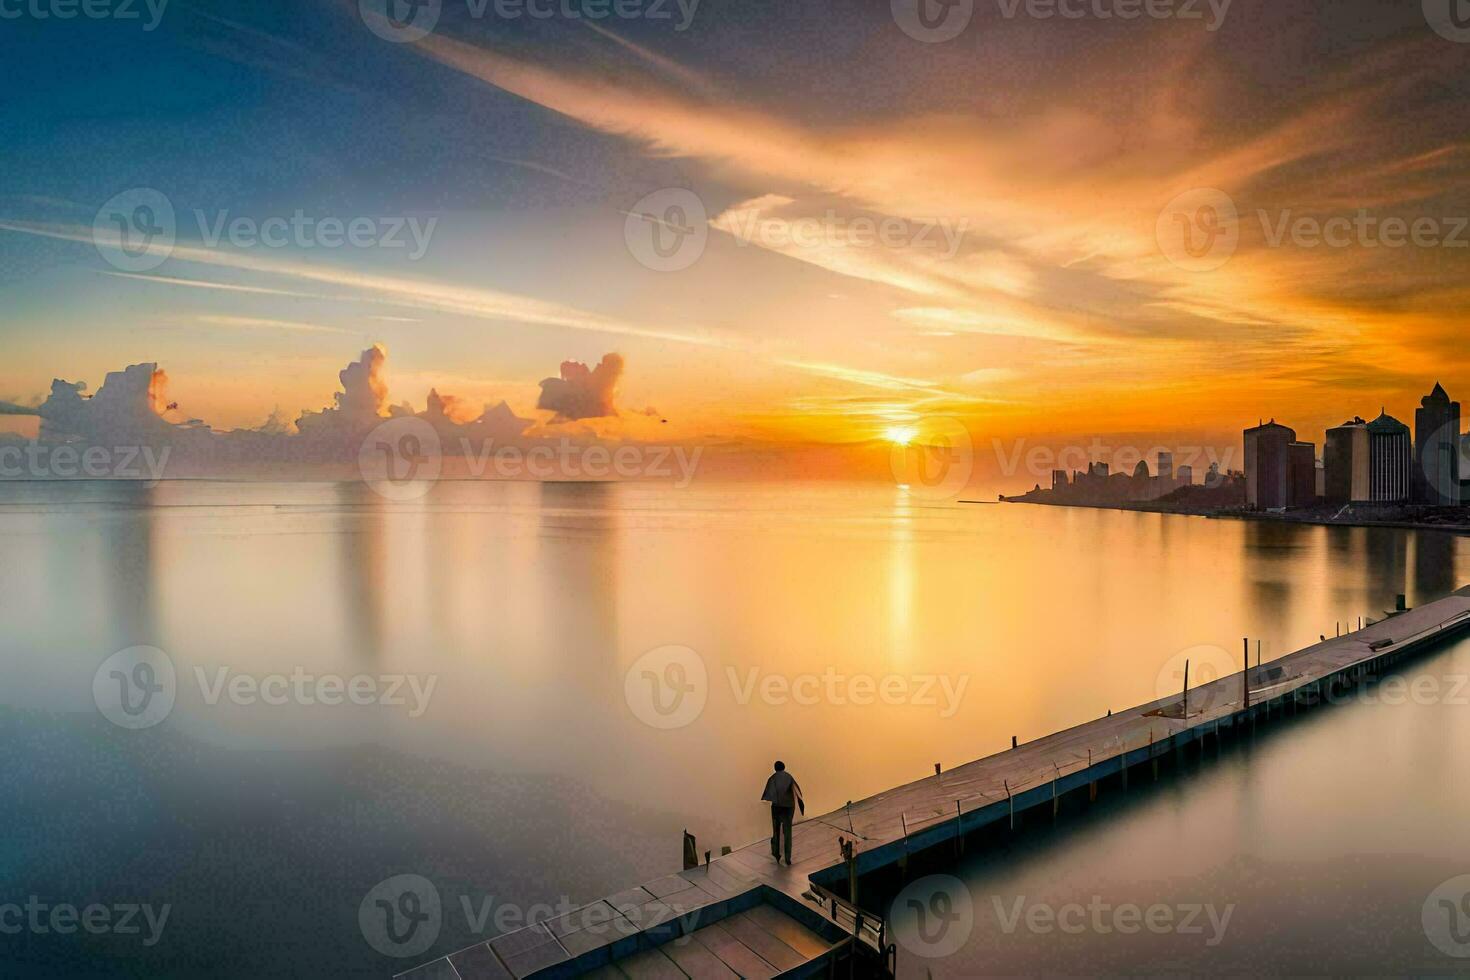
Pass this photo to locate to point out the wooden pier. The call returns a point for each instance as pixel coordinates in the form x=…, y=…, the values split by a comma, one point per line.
x=743, y=915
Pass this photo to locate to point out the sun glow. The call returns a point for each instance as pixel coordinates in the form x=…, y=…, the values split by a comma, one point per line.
x=901, y=435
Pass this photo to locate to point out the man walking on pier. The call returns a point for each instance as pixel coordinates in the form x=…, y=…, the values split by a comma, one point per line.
x=784, y=795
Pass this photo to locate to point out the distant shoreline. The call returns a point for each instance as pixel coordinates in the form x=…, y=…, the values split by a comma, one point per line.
x=1219, y=514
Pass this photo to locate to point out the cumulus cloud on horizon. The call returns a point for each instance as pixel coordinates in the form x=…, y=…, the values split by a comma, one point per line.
x=582, y=392
x=131, y=408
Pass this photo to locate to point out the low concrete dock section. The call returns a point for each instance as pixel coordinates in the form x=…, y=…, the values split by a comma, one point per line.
x=743, y=915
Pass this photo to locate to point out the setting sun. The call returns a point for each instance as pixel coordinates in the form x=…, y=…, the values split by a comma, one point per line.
x=901, y=435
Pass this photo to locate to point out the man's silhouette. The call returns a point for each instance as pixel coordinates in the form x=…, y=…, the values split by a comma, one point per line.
x=784, y=795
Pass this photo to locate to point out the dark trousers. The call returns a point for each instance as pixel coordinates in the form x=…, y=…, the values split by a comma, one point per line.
x=781, y=820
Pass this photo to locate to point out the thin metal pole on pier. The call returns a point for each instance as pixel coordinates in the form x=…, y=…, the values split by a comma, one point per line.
x=1186, y=689
x=903, y=862
x=1010, y=801
x=1245, y=678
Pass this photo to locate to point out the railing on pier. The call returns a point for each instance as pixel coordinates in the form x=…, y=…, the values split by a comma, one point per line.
x=868, y=931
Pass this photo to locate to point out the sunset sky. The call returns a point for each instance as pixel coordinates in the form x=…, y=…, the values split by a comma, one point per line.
x=1022, y=171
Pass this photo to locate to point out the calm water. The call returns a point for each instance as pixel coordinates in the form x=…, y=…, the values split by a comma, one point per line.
x=515, y=750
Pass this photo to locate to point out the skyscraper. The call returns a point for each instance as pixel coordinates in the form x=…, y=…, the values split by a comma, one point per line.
x=1267, y=466
x=1436, y=475
x=1345, y=459
x=1302, y=474
x=1390, y=460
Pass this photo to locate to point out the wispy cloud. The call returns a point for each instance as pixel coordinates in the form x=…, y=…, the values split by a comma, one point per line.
x=266, y=323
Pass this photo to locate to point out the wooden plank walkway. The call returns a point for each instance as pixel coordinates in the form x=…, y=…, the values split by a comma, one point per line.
x=754, y=915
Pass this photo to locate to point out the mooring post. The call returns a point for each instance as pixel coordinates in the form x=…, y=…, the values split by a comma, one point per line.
x=1258, y=654
x=938, y=772
x=1245, y=677
x=845, y=846
x=1013, y=741
x=1186, y=689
